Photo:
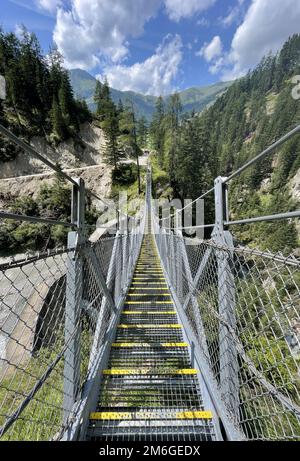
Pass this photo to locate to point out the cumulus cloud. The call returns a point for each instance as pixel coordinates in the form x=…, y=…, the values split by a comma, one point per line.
x=235, y=14
x=49, y=5
x=178, y=9
x=93, y=29
x=265, y=28
x=211, y=50
x=153, y=76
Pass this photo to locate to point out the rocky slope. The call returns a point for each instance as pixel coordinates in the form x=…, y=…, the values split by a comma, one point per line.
x=24, y=175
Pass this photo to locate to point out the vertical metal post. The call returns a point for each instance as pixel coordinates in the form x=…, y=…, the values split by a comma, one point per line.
x=228, y=358
x=118, y=268
x=118, y=220
x=74, y=289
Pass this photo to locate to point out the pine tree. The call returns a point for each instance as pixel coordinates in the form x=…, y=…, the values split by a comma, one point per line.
x=142, y=132
x=173, y=121
x=110, y=125
x=57, y=121
x=98, y=96
x=128, y=138
x=158, y=129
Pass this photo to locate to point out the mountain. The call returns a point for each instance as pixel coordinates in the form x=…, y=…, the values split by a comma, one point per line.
x=253, y=113
x=195, y=99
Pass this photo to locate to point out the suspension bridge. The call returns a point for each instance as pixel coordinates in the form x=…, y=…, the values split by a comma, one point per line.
x=149, y=335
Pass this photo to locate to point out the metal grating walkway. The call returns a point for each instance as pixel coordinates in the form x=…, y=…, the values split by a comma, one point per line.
x=149, y=391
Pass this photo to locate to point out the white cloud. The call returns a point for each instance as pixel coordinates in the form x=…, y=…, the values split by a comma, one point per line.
x=95, y=30
x=234, y=15
x=204, y=22
x=49, y=5
x=155, y=75
x=178, y=9
x=211, y=50
x=266, y=26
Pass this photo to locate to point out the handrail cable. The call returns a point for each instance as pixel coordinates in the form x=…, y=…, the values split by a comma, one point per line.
x=30, y=150
x=263, y=154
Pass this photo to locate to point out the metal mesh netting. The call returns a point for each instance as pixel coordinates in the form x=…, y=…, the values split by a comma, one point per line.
x=46, y=348
x=243, y=307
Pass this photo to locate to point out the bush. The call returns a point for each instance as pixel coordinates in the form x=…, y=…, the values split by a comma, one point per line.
x=125, y=174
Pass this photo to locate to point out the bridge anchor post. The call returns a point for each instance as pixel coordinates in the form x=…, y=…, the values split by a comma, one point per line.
x=74, y=291
x=228, y=357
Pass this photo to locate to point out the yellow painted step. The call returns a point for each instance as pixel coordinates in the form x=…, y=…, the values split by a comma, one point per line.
x=167, y=326
x=144, y=278
x=143, y=415
x=194, y=415
x=161, y=285
x=146, y=371
x=148, y=302
x=147, y=294
x=149, y=313
x=121, y=345
x=145, y=288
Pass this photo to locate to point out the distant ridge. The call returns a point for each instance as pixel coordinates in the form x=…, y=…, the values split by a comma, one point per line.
x=195, y=99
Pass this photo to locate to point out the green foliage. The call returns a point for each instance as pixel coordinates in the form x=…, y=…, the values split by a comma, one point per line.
x=39, y=94
x=238, y=126
x=160, y=177
x=196, y=99
x=125, y=174
x=108, y=117
x=157, y=129
x=52, y=202
x=142, y=132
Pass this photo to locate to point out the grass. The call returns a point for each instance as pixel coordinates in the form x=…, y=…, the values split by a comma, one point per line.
x=42, y=419
x=126, y=180
x=160, y=179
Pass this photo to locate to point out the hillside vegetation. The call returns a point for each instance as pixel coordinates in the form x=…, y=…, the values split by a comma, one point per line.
x=254, y=112
x=193, y=99
x=39, y=102
x=39, y=97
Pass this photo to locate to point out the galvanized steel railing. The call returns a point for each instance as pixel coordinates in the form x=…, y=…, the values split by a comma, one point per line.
x=58, y=311
x=240, y=308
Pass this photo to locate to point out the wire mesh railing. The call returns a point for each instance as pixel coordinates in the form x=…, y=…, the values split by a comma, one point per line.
x=47, y=347
x=242, y=308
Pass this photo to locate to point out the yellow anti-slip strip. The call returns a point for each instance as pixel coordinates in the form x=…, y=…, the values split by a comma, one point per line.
x=151, y=278
x=149, y=345
x=145, y=325
x=126, y=416
x=149, y=265
x=146, y=371
x=160, y=285
x=147, y=268
x=148, y=258
x=160, y=288
x=149, y=294
x=148, y=302
x=149, y=312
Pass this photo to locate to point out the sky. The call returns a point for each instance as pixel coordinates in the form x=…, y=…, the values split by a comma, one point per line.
x=157, y=46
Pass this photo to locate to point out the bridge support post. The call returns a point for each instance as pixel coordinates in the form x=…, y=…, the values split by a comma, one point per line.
x=228, y=358
x=179, y=258
x=74, y=290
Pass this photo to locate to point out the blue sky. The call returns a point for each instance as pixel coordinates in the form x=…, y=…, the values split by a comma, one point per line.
x=157, y=46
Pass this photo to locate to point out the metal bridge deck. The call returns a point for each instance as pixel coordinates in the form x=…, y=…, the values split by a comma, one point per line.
x=149, y=392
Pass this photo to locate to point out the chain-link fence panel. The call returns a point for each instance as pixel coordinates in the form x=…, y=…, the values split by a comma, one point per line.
x=243, y=306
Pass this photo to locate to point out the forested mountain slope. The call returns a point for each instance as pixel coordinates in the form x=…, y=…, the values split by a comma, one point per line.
x=39, y=97
x=254, y=112
x=40, y=108
x=192, y=99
